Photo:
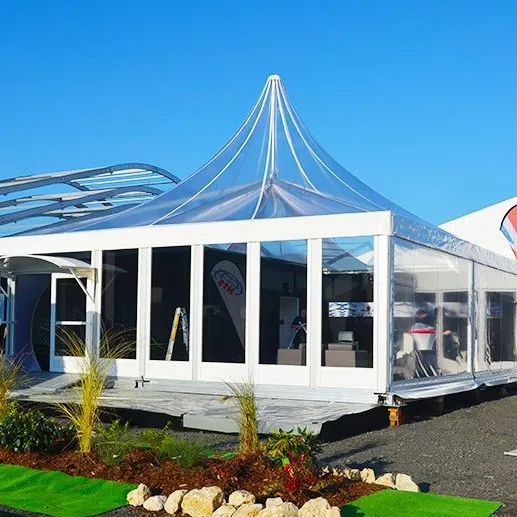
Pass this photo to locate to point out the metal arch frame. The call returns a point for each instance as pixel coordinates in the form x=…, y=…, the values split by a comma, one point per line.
x=126, y=185
x=25, y=182
x=47, y=210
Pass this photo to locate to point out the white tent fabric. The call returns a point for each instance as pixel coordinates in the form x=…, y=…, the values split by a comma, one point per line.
x=271, y=167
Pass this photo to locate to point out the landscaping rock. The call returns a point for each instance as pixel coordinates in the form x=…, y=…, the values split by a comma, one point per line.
x=273, y=501
x=367, y=475
x=248, y=510
x=315, y=508
x=334, y=512
x=240, y=497
x=386, y=480
x=202, y=502
x=354, y=474
x=137, y=496
x=173, y=503
x=405, y=483
x=155, y=503
x=226, y=510
x=281, y=510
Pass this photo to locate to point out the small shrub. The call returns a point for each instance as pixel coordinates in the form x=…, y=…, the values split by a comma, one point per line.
x=28, y=431
x=164, y=446
x=113, y=443
x=286, y=445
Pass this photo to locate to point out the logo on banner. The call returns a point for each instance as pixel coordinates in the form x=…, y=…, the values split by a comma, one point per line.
x=232, y=289
x=228, y=282
x=509, y=228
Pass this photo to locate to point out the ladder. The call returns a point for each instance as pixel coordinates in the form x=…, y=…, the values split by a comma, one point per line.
x=180, y=314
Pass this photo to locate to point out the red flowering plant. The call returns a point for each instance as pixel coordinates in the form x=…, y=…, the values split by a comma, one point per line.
x=296, y=454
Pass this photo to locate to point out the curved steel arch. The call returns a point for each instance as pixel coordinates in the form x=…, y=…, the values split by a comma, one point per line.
x=98, y=191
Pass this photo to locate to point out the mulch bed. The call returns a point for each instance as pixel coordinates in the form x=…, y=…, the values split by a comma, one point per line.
x=255, y=474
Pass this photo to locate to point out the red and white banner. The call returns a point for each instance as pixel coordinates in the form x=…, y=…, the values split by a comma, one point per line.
x=232, y=289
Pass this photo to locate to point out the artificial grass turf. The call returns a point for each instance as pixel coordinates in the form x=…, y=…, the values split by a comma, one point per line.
x=57, y=494
x=388, y=503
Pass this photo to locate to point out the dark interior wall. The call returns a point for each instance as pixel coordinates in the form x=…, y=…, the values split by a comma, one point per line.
x=119, y=296
x=29, y=290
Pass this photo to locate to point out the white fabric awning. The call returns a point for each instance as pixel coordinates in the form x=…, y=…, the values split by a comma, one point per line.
x=43, y=264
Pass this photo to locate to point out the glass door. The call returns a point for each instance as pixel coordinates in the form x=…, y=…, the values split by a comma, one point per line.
x=223, y=352
x=70, y=327
x=284, y=352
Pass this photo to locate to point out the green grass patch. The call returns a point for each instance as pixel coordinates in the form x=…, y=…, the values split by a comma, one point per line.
x=410, y=504
x=58, y=494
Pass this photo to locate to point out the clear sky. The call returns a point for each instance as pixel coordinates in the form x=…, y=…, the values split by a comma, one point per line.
x=418, y=98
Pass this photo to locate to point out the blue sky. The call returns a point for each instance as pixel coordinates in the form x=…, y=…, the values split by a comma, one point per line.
x=417, y=98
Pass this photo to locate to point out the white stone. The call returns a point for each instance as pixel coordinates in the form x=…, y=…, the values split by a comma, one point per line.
x=315, y=508
x=346, y=472
x=240, y=497
x=334, y=512
x=226, y=510
x=367, y=475
x=202, y=502
x=354, y=474
x=137, y=496
x=155, y=503
x=173, y=503
x=404, y=482
x=386, y=480
x=273, y=501
x=281, y=510
x=248, y=510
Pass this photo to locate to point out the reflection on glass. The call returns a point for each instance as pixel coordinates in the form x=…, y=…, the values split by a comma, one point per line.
x=347, y=297
x=70, y=300
x=119, y=300
x=224, y=303
x=170, y=304
x=70, y=316
x=430, y=326
x=283, y=303
x=496, y=294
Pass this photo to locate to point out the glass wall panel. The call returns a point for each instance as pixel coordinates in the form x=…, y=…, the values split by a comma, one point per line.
x=347, y=298
x=430, y=326
x=119, y=299
x=224, y=303
x=170, y=304
x=70, y=317
x=283, y=303
x=496, y=298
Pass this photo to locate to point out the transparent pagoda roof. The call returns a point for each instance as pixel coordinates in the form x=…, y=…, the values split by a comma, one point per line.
x=271, y=167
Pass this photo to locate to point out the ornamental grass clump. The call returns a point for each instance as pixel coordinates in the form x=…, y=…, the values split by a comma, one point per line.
x=84, y=415
x=12, y=377
x=244, y=395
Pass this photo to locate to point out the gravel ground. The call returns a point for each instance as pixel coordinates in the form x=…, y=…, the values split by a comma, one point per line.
x=458, y=453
